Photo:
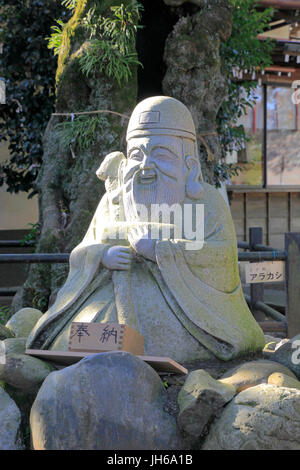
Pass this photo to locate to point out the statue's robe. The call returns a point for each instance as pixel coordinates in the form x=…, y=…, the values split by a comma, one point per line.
x=188, y=305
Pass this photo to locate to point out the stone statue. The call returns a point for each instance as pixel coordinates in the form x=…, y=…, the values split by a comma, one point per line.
x=184, y=298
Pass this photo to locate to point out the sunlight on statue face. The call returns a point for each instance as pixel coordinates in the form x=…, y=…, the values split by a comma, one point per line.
x=155, y=170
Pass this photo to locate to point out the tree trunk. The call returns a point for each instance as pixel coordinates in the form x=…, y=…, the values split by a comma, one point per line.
x=194, y=71
x=68, y=187
x=69, y=190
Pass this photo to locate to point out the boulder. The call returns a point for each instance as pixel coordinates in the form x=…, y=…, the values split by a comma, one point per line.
x=281, y=343
x=23, y=321
x=200, y=399
x=10, y=419
x=264, y=417
x=253, y=373
x=107, y=401
x=282, y=380
x=271, y=342
x=23, y=371
x=12, y=346
x=288, y=354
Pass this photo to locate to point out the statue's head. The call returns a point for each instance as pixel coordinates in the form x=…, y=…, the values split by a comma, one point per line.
x=162, y=158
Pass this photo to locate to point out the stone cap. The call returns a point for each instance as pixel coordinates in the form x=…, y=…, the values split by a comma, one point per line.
x=161, y=115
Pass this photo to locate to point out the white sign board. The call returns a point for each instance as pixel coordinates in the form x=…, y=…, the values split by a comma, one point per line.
x=265, y=271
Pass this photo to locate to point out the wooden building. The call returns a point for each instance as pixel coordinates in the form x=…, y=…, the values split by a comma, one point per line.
x=267, y=192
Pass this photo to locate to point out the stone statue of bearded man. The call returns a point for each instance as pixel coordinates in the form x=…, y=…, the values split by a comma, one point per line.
x=184, y=297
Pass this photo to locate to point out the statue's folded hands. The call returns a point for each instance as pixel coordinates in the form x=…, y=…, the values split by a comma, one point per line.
x=117, y=257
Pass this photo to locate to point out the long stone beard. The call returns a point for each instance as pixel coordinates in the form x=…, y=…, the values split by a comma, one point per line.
x=164, y=190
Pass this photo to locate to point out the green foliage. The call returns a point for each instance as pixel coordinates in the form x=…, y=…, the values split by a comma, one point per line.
x=113, y=50
x=55, y=40
x=103, y=56
x=32, y=237
x=40, y=301
x=122, y=27
x=245, y=52
x=28, y=68
x=70, y=4
x=80, y=131
x=243, y=49
x=224, y=171
x=4, y=314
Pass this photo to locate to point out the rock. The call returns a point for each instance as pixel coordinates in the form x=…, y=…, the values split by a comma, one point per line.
x=5, y=333
x=106, y=401
x=23, y=321
x=281, y=343
x=10, y=419
x=271, y=342
x=289, y=355
x=253, y=373
x=271, y=345
x=282, y=380
x=12, y=346
x=264, y=417
x=23, y=372
x=199, y=400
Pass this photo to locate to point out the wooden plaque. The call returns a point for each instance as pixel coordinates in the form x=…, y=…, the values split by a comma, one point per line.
x=101, y=337
x=66, y=358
